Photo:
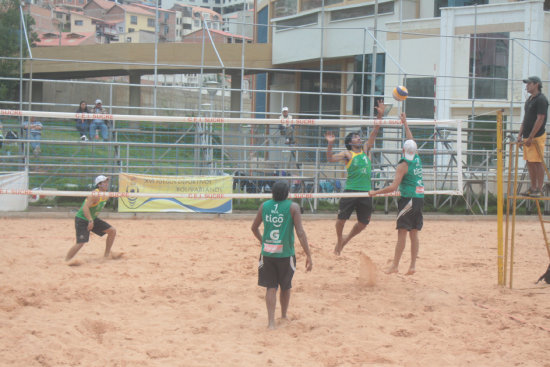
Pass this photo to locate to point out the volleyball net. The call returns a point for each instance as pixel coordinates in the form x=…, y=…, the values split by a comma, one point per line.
x=253, y=153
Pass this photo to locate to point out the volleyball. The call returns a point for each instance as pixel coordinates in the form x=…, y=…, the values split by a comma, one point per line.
x=400, y=93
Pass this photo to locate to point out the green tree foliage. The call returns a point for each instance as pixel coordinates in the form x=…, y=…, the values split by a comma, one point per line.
x=10, y=45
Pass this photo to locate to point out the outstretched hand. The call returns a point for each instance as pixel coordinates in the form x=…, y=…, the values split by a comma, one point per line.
x=380, y=109
x=330, y=136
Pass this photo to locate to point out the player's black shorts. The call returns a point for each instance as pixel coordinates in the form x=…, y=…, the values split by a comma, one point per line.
x=82, y=233
x=362, y=206
x=409, y=213
x=275, y=271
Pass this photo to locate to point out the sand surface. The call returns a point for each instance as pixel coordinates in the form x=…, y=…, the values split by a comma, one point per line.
x=185, y=294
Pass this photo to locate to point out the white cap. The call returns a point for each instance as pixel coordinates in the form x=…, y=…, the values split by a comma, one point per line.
x=98, y=101
x=409, y=149
x=99, y=179
x=285, y=108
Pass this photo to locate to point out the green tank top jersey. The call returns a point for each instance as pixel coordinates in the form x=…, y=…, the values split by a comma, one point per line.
x=359, y=172
x=412, y=185
x=278, y=237
x=94, y=210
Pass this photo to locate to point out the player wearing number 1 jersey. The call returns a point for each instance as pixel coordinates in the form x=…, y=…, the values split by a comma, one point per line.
x=358, y=165
x=280, y=217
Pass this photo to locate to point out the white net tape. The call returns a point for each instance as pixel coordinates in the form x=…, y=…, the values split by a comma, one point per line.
x=323, y=195
x=223, y=120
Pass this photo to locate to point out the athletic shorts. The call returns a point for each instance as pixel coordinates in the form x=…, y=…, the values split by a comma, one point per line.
x=82, y=233
x=275, y=271
x=409, y=213
x=362, y=206
x=530, y=153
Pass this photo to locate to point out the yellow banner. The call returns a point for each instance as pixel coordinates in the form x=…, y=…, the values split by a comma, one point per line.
x=135, y=183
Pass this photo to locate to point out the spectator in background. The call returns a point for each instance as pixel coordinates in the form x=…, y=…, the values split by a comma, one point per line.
x=83, y=125
x=286, y=128
x=1, y=135
x=33, y=131
x=99, y=124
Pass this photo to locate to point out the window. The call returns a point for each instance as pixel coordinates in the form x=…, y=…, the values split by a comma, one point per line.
x=130, y=30
x=197, y=23
x=422, y=108
x=187, y=26
x=362, y=82
x=129, y=39
x=283, y=8
x=150, y=22
x=120, y=29
x=166, y=29
x=420, y=87
x=78, y=22
x=482, y=136
x=438, y=4
x=361, y=11
x=59, y=15
x=489, y=66
x=314, y=4
x=133, y=19
x=309, y=105
x=310, y=19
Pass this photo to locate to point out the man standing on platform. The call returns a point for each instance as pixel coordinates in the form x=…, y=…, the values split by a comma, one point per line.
x=532, y=134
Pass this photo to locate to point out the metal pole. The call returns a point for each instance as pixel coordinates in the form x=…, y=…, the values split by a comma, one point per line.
x=321, y=61
x=156, y=74
x=374, y=51
x=361, y=107
x=474, y=63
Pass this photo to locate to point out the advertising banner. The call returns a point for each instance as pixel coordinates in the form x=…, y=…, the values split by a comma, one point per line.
x=203, y=186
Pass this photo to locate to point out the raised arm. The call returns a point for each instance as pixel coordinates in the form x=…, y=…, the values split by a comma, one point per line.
x=301, y=233
x=400, y=171
x=342, y=156
x=408, y=133
x=372, y=137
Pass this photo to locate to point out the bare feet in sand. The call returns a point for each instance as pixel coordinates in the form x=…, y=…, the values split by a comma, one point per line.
x=75, y=263
x=338, y=248
x=410, y=272
x=391, y=270
x=114, y=255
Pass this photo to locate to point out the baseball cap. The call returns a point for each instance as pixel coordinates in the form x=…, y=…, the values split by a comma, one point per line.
x=409, y=148
x=99, y=179
x=533, y=79
x=285, y=108
x=98, y=101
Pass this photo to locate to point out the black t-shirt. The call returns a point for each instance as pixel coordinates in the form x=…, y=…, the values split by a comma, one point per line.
x=535, y=105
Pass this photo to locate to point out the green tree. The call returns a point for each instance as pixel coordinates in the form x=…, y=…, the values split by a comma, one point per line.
x=9, y=46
